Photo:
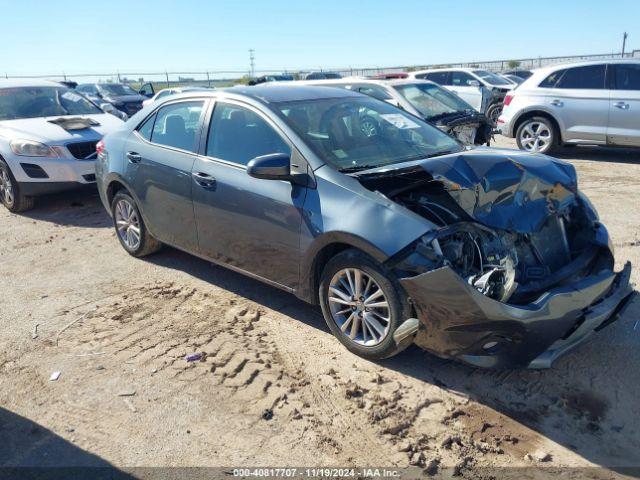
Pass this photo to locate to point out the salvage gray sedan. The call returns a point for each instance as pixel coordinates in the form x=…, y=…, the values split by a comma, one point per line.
x=491, y=257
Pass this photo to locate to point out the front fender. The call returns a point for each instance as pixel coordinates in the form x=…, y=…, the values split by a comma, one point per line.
x=341, y=211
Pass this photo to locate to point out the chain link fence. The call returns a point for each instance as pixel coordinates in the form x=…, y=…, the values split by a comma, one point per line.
x=223, y=78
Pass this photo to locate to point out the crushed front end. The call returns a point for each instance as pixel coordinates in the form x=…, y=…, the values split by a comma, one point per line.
x=470, y=127
x=519, y=269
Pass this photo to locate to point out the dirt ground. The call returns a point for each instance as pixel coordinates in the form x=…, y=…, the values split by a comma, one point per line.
x=273, y=387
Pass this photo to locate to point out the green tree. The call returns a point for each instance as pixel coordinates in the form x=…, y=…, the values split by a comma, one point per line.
x=513, y=64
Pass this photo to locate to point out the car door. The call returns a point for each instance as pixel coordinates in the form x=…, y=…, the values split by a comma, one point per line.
x=468, y=88
x=580, y=102
x=247, y=223
x=624, y=105
x=161, y=153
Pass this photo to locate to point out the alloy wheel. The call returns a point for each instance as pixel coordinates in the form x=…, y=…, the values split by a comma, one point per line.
x=359, y=307
x=127, y=224
x=6, y=187
x=535, y=137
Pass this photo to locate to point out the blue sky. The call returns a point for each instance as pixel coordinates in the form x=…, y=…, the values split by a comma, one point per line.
x=41, y=36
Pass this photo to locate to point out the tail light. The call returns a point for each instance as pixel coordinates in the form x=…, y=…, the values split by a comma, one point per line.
x=508, y=98
x=100, y=147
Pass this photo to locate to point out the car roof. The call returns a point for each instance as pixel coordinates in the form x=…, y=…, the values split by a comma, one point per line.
x=31, y=82
x=585, y=63
x=367, y=81
x=285, y=92
x=446, y=69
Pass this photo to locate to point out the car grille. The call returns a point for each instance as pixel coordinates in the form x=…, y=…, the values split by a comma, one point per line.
x=83, y=150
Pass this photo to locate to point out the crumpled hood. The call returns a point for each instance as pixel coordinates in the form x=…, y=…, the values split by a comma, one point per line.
x=42, y=130
x=503, y=189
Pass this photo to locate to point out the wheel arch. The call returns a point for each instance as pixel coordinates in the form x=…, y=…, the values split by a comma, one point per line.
x=324, y=249
x=538, y=113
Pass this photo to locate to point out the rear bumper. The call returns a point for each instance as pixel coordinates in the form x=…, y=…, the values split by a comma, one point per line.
x=458, y=322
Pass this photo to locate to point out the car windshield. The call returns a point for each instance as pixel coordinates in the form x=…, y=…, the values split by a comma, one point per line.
x=431, y=100
x=32, y=102
x=355, y=133
x=116, y=89
x=491, y=78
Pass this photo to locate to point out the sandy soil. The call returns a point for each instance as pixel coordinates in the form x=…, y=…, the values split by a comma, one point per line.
x=273, y=387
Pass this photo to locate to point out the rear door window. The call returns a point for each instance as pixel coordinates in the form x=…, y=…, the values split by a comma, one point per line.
x=176, y=125
x=552, y=79
x=147, y=127
x=588, y=77
x=627, y=76
x=441, y=78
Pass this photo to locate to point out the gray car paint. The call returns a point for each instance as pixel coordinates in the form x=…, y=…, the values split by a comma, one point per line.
x=272, y=230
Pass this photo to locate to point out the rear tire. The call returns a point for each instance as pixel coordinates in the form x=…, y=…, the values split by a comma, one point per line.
x=493, y=112
x=356, y=315
x=130, y=227
x=537, y=135
x=11, y=192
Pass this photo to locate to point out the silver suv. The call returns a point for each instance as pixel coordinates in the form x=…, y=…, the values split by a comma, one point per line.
x=595, y=103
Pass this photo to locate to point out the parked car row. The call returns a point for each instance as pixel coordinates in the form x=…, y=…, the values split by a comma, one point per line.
x=348, y=197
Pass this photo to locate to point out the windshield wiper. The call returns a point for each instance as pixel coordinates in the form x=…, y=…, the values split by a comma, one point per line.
x=357, y=168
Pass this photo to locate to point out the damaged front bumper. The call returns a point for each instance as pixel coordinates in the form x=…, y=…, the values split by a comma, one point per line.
x=456, y=321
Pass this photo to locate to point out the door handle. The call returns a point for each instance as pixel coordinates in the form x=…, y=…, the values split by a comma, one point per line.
x=621, y=105
x=204, y=180
x=134, y=157
x=556, y=103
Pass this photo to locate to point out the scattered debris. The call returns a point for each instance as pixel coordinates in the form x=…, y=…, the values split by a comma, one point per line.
x=34, y=334
x=267, y=414
x=127, y=393
x=69, y=325
x=100, y=367
x=538, y=456
x=192, y=357
x=54, y=376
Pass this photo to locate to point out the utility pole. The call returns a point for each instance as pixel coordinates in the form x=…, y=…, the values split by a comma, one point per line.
x=624, y=42
x=252, y=59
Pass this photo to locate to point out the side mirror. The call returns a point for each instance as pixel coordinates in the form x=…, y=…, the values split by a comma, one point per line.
x=107, y=107
x=473, y=83
x=276, y=166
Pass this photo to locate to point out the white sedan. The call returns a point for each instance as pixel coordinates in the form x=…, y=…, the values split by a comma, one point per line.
x=48, y=137
x=165, y=92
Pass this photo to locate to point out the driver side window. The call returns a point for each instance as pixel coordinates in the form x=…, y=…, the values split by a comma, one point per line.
x=239, y=135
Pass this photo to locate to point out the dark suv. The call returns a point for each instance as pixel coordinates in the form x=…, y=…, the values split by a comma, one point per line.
x=402, y=235
x=121, y=96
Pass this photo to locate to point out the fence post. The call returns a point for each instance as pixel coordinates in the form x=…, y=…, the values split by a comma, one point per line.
x=167, y=76
x=208, y=80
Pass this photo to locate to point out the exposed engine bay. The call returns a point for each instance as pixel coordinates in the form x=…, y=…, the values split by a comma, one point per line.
x=511, y=229
x=470, y=127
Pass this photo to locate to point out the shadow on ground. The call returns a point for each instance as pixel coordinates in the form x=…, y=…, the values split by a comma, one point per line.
x=78, y=208
x=579, y=403
x=30, y=451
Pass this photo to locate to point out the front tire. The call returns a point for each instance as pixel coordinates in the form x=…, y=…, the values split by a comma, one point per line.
x=130, y=227
x=363, y=304
x=11, y=192
x=537, y=135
